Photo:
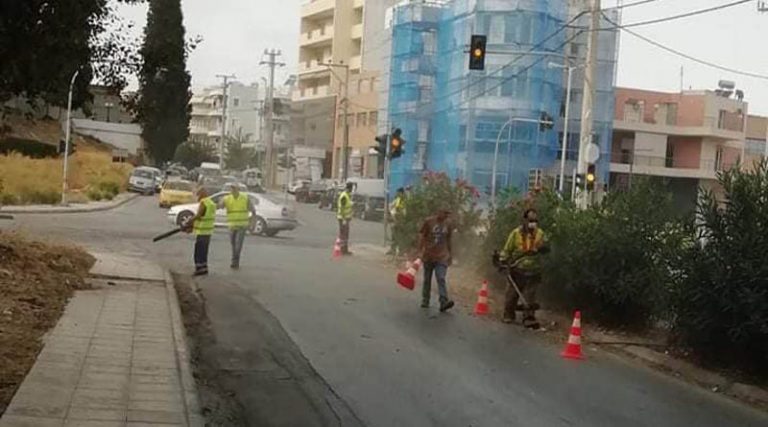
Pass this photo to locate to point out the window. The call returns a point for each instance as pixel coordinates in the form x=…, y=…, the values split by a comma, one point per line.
x=236, y=102
x=350, y=120
x=340, y=121
x=373, y=118
x=721, y=119
x=361, y=119
x=754, y=147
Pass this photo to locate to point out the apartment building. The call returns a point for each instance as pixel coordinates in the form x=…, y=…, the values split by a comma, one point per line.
x=755, y=147
x=685, y=138
x=335, y=32
x=243, y=118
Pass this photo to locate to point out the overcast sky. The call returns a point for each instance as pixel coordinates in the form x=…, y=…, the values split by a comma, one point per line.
x=236, y=32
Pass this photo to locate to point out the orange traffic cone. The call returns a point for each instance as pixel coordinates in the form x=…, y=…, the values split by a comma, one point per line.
x=481, y=308
x=573, y=348
x=407, y=279
x=337, y=248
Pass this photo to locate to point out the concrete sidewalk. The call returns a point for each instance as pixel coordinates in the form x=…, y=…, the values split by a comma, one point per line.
x=117, y=357
x=119, y=200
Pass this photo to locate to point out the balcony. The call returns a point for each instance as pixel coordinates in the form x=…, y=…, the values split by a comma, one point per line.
x=312, y=67
x=666, y=166
x=309, y=93
x=317, y=8
x=708, y=129
x=317, y=37
x=355, y=62
x=357, y=31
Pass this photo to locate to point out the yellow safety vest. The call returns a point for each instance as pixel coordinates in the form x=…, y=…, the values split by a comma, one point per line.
x=399, y=206
x=344, y=210
x=204, y=226
x=237, y=211
x=518, y=243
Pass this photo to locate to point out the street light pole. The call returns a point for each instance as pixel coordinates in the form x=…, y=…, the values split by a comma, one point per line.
x=64, y=184
x=569, y=68
x=496, y=149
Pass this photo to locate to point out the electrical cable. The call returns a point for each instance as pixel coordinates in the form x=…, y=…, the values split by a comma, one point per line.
x=628, y=5
x=680, y=16
x=686, y=56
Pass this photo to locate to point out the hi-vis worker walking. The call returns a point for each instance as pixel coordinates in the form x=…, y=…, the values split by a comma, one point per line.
x=521, y=256
x=396, y=215
x=238, y=207
x=202, y=225
x=344, y=215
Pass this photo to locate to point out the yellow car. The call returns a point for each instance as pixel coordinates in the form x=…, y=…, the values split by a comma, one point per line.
x=177, y=192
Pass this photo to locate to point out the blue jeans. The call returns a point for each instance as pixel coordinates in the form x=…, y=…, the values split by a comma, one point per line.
x=236, y=237
x=440, y=270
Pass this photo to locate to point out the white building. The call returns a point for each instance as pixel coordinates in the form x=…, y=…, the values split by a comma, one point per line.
x=243, y=119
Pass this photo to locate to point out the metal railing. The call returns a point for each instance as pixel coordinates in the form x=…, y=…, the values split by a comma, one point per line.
x=628, y=158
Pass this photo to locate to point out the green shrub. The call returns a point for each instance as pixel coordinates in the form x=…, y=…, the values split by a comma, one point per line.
x=108, y=196
x=109, y=187
x=94, y=194
x=8, y=199
x=27, y=147
x=39, y=197
x=721, y=304
x=436, y=191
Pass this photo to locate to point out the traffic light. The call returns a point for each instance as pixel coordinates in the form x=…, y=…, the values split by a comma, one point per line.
x=591, y=177
x=477, y=52
x=396, y=144
x=381, y=146
x=546, y=122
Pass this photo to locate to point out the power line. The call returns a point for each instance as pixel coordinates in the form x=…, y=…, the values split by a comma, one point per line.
x=686, y=56
x=683, y=15
x=520, y=56
x=628, y=5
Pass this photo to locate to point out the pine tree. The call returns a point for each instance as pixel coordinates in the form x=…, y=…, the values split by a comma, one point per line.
x=163, y=104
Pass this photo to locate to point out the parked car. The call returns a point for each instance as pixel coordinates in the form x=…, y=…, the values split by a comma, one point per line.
x=253, y=179
x=177, y=192
x=142, y=180
x=271, y=218
x=372, y=208
x=295, y=185
x=311, y=194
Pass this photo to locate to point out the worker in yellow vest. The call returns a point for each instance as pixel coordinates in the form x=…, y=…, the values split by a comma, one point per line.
x=240, y=210
x=344, y=213
x=521, y=254
x=202, y=225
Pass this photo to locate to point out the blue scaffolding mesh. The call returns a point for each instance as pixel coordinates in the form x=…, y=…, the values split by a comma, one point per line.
x=452, y=117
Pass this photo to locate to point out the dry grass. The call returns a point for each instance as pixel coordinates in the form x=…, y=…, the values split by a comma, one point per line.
x=28, y=181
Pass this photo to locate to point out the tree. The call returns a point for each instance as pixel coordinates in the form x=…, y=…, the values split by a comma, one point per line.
x=163, y=100
x=192, y=153
x=238, y=157
x=43, y=43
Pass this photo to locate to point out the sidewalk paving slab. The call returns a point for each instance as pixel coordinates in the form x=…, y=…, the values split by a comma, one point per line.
x=117, y=357
x=118, y=201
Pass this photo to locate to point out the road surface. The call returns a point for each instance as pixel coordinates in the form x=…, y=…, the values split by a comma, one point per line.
x=304, y=340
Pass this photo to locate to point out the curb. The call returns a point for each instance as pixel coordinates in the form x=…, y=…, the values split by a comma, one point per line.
x=65, y=210
x=189, y=388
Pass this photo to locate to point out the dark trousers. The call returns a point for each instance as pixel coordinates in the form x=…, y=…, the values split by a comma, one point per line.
x=202, y=242
x=527, y=283
x=440, y=270
x=344, y=235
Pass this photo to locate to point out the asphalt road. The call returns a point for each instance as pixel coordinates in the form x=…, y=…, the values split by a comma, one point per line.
x=312, y=341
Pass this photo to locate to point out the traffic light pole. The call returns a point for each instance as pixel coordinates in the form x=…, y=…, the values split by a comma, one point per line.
x=496, y=149
x=387, y=165
x=64, y=183
x=588, y=102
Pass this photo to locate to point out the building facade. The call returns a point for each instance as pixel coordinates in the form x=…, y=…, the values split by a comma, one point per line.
x=242, y=114
x=452, y=118
x=685, y=138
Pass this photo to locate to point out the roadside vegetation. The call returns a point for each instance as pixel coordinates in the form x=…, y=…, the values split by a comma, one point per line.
x=633, y=263
x=36, y=280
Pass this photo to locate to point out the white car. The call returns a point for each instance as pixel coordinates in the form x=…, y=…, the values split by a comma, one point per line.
x=271, y=218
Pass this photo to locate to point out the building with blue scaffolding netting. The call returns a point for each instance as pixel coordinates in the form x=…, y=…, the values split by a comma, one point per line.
x=452, y=117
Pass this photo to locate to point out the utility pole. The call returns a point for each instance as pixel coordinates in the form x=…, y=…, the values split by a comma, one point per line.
x=269, y=106
x=225, y=86
x=345, y=100
x=64, y=183
x=587, y=106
